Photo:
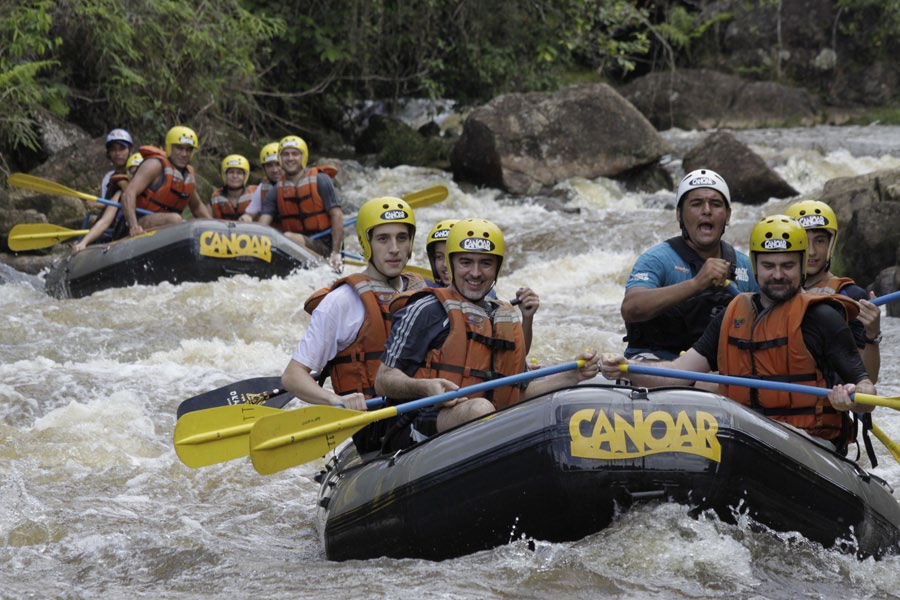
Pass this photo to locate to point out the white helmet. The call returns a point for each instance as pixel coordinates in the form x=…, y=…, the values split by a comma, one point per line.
x=702, y=178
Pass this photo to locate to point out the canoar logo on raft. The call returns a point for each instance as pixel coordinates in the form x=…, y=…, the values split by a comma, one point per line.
x=595, y=436
x=233, y=245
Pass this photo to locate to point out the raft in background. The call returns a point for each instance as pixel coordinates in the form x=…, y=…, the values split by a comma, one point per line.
x=560, y=467
x=196, y=250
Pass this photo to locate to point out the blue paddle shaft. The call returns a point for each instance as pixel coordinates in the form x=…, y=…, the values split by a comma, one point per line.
x=727, y=379
x=484, y=386
x=886, y=298
x=141, y=211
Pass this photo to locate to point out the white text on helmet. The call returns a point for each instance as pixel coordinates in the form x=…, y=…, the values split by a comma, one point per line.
x=394, y=215
x=441, y=234
x=813, y=221
x=477, y=245
x=185, y=140
x=703, y=181
x=776, y=245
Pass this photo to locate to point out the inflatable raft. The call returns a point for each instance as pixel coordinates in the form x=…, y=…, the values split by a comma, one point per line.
x=196, y=250
x=560, y=467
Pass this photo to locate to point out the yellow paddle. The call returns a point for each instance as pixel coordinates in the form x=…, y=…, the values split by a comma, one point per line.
x=295, y=437
x=214, y=435
x=31, y=236
x=890, y=444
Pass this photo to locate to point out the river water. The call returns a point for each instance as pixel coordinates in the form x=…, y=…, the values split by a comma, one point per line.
x=94, y=502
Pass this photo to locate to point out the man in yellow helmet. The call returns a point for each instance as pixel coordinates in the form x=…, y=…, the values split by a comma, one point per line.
x=777, y=332
x=271, y=165
x=305, y=203
x=164, y=184
x=821, y=227
x=447, y=338
x=349, y=320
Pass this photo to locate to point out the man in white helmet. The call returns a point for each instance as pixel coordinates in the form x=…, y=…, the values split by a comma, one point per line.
x=118, y=147
x=677, y=286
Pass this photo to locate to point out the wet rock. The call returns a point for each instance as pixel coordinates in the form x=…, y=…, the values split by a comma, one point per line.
x=525, y=143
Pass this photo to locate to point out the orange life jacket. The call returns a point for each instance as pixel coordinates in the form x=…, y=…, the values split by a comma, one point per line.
x=172, y=191
x=831, y=285
x=222, y=208
x=771, y=347
x=478, y=348
x=300, y=207
x=354, y=368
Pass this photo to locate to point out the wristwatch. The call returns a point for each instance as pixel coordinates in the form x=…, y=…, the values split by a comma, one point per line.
x=875, y=340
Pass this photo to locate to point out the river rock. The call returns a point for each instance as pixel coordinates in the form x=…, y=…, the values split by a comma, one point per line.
x=707, y=99
x=750, y=180
x=868, y=213
x=525, y=143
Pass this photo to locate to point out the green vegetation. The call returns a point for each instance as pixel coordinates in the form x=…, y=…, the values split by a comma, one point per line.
x=255, y=69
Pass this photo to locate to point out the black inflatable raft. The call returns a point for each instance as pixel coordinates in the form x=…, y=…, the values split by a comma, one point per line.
x=560, y=467
x=196, y=250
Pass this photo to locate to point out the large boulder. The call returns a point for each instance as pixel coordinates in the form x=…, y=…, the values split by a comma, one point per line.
x=750, y=180
x=525, y=143
x=706, y=99
x=868, y=213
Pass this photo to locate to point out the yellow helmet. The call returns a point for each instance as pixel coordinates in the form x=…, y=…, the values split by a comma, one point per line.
x=815, y=214
x=778, y=233
x=475, y=235
x=293, y=141
x=236, y=161
x=134, y=160
x=438, y=233
x=181, y=135
x=269, y=153
x=379, y=211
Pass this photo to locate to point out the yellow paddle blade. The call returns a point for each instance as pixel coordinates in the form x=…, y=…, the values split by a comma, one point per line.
x=427, y=197
x=298, y=436
x=31, y=236
x=888, y=401
x=39, y=184
x=214, y=435
x=890, y=444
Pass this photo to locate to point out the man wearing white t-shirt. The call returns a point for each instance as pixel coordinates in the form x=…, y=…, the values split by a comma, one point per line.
x=350, y=320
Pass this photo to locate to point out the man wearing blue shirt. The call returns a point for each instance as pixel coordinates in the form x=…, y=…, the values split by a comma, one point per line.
x=676, y=287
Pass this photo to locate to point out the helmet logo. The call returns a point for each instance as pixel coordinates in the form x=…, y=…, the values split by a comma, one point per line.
x=187, y=141
x=441, y=234
x=290, y=144
x=813, y=221
x=702, y=181
x=477, y=245
x=394, y=215
x=776, y=245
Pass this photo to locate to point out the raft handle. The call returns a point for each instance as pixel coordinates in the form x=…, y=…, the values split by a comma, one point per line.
x=646, y=496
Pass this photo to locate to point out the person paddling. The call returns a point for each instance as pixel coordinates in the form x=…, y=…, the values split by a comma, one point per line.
x=118, y=147
x=447, y=338
x=305, y=203
x=111, y=225
x=677, y=286
x=230, y=201
x=164, y=184
x=349, y=320
x=779, y=333
x=820, y=223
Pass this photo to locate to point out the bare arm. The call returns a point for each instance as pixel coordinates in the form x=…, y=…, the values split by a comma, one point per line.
x=146, y=174
x=99, y=226
x=198, y=208
x=870, y=317
x=529, y=303
x=394, y=383
x=643, y=303
x=566, y=379
x=689, y=361
x=297, y=380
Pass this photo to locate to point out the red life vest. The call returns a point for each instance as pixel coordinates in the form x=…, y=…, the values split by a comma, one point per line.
x=771, y=347
x=172, y=191
x=300, y=207
x=354, y=368
x=478, y=348
x=222, y=208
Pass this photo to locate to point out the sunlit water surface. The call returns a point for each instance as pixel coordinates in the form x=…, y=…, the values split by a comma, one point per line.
x=94, y=502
